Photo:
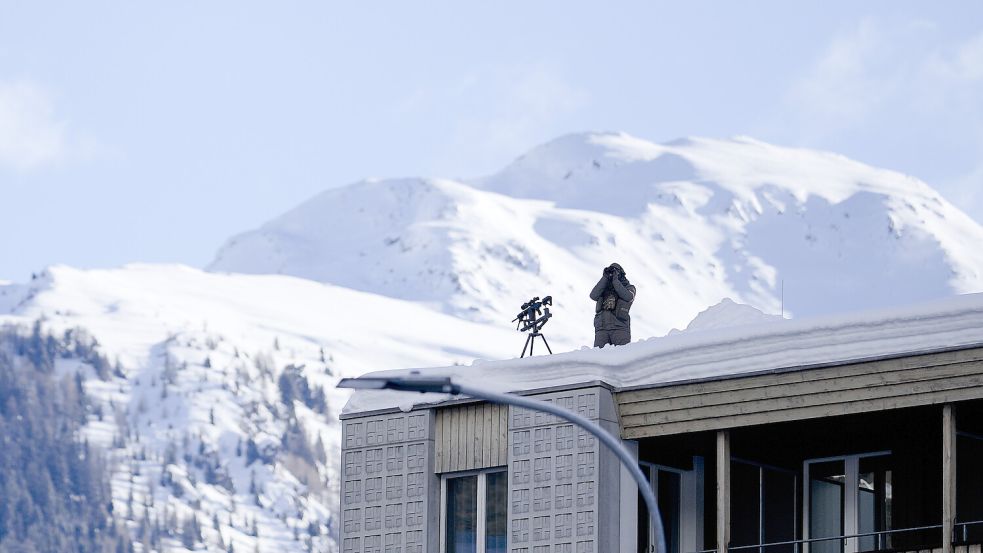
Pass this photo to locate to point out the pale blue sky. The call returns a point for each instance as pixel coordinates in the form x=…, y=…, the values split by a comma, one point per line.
x=153, y=131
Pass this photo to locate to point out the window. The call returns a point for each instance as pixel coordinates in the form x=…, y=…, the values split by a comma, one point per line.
x=762, y=506
x=969, y=497
x=666, y=486
x=847, y=496
x=679, y=496
x=827, y=495
x=874, y=502
x=474, y=512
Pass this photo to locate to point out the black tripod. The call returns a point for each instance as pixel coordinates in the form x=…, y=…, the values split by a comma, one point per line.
x=531, y=342
x=531, y=319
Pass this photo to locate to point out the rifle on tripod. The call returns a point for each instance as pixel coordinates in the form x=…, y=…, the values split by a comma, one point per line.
x=531, y=320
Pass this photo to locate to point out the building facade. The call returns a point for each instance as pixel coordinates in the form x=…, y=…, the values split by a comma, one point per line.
x=874, y=454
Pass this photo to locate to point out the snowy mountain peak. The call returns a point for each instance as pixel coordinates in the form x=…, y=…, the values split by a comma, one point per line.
x=570, y=152
x=693, y=221
x=741, y=166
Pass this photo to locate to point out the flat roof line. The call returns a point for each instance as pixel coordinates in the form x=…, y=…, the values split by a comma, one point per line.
x=798, y=368
x=669, y=384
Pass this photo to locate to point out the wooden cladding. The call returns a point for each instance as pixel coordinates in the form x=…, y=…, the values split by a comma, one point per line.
x=809, y=393
x=472, y=436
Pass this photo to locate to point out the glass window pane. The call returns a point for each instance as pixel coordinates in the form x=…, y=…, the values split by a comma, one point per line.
x=826, y=494
x=865, y=515
x=745, y=504
x=462, y=515
x=874, y=502
x=668, y=496
x=496, y=511
x=969, y=500
x=778, y=524
x=643, y=515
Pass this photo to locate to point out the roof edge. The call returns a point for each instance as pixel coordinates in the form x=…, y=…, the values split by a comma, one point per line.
x=797, y=368
x=465, y=400
x=615, y=389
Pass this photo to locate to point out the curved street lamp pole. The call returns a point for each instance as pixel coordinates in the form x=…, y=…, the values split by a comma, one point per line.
x=446, y=386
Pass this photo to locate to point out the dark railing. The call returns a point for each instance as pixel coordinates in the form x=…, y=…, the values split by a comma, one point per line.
x=963, y=533
x=961, y=530
x=879, y=535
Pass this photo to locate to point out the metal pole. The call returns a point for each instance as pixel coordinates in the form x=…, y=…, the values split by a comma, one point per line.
x=605, y=437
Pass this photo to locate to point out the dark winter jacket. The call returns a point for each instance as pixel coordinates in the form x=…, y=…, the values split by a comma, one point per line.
x=624, y=293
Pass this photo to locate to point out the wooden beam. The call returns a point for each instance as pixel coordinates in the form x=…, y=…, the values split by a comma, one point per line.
x=751, y=381
x=766, y=390
x=800, y=413
x=723, y=490
x=948, y=476
x=745, y=406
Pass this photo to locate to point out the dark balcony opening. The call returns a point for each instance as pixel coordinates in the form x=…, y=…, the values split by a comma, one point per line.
x=883, y=472
x=876, y=476
x=969, y=473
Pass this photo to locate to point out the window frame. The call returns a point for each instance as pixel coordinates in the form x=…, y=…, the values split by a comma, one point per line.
x=761, y=467
x=851, y=464
x=653, y=482
x=480, y=511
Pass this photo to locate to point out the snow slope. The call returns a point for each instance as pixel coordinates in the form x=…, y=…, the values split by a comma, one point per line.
x=200, y=357
x=692, y=221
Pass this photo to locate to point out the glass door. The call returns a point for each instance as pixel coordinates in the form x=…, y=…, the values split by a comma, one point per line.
x=667, y=487
x=969, y=503
x=848, y=496
x=762, y=506
x=827, y=502
x=874, y=502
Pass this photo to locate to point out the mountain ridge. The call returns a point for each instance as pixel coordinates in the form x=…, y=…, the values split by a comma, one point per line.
x=726, y=213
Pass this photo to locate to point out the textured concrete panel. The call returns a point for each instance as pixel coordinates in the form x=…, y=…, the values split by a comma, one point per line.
x=389, y=492
x=563, y=488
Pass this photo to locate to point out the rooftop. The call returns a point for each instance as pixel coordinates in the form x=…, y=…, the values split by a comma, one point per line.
x=728, y=340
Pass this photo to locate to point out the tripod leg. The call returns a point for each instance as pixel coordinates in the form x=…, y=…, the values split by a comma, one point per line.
x=532, y=343
x=524, y=348
x=547, y=344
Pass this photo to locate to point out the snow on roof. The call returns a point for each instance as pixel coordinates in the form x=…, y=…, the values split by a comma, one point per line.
x=715, y=352
x=728, y=313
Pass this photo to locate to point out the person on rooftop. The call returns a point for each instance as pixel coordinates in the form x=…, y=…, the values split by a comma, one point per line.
x=613, y=296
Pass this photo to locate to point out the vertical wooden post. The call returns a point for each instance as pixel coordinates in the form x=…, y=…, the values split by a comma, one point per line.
x=948, y=476
x=723, y=490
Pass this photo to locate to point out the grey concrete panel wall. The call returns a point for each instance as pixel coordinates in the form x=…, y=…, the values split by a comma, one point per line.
x=389, y=495
x=471, y=436
x=564, y=487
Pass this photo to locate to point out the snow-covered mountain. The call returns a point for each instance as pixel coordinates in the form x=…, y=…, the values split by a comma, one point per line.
x=222, y=404
x=691, y=221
